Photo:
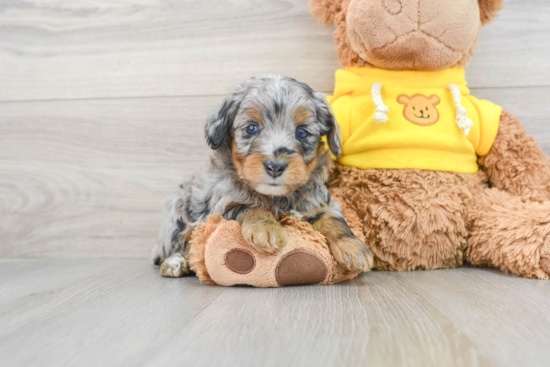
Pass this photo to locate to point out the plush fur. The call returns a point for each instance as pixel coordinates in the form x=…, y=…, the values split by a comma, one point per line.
x=407, y=34
x=411, y=219
x=414, y=219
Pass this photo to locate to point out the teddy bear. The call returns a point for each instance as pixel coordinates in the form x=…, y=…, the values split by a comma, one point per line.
x=430, y=176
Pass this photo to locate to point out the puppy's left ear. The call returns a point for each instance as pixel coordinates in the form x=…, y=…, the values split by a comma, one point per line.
x=218, y=125
x=329, y=126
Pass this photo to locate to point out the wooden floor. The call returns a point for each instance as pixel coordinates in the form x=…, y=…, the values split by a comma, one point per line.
x=115, y=312
x=101, y=110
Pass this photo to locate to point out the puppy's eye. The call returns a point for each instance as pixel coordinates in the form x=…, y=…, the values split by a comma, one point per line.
x=301, y=133
x=252, y=129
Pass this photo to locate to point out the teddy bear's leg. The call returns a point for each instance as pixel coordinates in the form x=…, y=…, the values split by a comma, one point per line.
x=410, y=219
x=516, y=163
x=510, y=234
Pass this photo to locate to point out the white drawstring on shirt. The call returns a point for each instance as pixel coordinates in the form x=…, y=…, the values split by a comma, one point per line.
x=462, y=119
x=381, y=114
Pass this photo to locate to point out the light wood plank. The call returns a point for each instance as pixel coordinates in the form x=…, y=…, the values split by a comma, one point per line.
x=88, y=178
x=121, y=312
x=136, y=48
x=81, y=49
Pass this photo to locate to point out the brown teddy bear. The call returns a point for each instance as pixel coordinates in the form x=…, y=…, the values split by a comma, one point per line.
x=430, y=176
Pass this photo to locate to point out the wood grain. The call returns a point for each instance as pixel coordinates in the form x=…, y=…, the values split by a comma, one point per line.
x=136, y=48
x=88, y=178
x=121, y=312
x=85, y=178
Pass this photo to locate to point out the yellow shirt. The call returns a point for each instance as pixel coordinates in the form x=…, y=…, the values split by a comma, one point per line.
x=421, y=132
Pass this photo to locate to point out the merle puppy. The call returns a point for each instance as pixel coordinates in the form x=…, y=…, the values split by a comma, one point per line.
x=268, y=159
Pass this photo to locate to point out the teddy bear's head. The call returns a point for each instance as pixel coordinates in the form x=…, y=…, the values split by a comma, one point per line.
x=405, y=34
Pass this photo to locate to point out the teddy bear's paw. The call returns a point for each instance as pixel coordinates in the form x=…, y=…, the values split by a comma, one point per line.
x=265, y=236
x=301, y=267
x=174, y=267
x=352, y=253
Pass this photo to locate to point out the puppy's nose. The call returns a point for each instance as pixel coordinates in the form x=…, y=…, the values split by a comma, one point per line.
x=275, y=168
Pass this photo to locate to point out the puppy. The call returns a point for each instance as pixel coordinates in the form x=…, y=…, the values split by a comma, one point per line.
x=268, y=159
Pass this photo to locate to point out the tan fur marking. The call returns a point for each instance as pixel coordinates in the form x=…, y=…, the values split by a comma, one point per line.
x=255, y=113
x=253, y=171
x=236, y=157
x=297, y=174
x=262, y=230
x=301, y=115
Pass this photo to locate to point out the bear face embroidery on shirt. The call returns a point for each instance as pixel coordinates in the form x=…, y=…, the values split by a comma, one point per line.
x=419, y=109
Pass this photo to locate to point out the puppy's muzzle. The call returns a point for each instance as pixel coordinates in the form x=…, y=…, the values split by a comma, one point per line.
x=275, y=168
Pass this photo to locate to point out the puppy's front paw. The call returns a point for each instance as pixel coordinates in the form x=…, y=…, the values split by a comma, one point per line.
x=265, y=235
x=174, y=267
x=352, y=253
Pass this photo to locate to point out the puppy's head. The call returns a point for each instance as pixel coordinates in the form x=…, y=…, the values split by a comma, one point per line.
x=271, y=126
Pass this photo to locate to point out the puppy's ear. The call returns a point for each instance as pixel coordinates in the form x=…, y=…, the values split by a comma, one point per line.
x=488, y=9
x=325, y=10
x=220, y=122
x=329, y=126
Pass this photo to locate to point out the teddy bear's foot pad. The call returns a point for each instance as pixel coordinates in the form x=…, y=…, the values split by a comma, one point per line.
x=240, y=261
x=300, y=267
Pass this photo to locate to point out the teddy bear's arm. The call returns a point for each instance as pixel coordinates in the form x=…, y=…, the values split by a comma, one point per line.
x=516, y=163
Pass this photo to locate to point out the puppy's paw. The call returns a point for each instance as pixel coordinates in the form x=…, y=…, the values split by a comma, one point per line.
x=352, y=253
x=174, y=267
x=265, y=235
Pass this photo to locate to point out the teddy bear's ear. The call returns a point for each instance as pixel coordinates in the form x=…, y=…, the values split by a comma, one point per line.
x=489, y=8
x=434, y=100
x=325, y=10
x=403, y=99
